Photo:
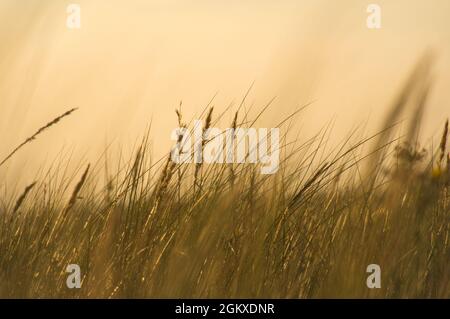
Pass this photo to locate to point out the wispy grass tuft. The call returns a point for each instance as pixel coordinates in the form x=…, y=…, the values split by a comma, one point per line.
x=37, y=133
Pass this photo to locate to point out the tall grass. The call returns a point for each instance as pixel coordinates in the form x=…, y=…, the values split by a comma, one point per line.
x=160, y=229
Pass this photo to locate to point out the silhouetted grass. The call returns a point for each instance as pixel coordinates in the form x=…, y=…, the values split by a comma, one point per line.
x=310, y=230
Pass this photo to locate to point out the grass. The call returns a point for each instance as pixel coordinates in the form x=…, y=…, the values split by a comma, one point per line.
x=160, y=229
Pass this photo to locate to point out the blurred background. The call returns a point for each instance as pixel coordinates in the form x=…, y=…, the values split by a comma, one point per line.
x=132, y=62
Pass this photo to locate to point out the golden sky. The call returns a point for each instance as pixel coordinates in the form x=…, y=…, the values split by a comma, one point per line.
x=133, y=61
